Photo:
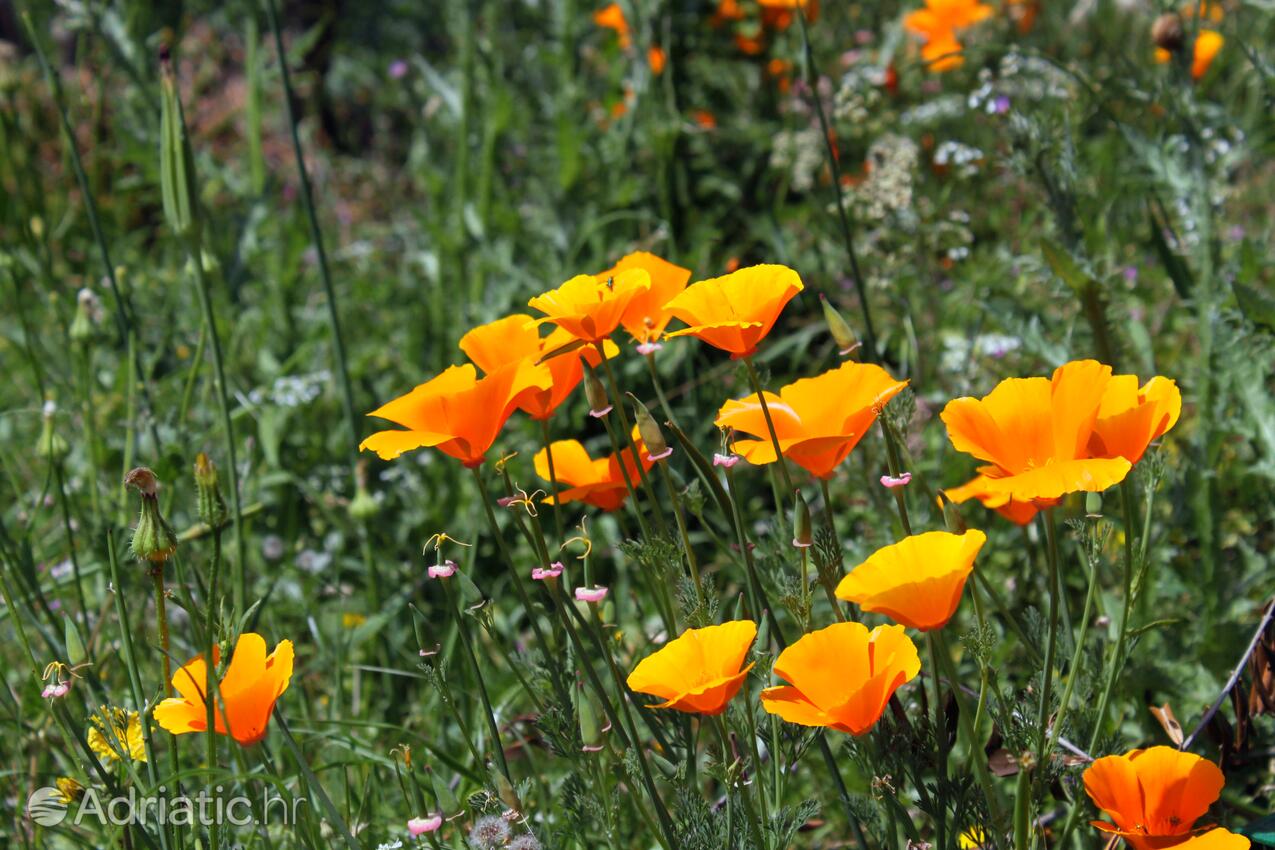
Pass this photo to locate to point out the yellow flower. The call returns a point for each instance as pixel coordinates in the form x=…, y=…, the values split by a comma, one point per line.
x=352, y=621
x=116, y=733
x=69, y=789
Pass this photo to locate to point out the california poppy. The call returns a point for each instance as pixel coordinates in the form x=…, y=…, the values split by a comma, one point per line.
x=734, y=312
x=588, y=308
x=1154, y=796
x=699, y=671
x=1035, y=434
x=595, y=482
x=498, y=344
x=1215, y=839
x=916, y=582
x=938, y=23
x=1019, y=513
x=1130, y=417
x=457, y=412
x=646, y=317
x=842, y=676
x=612, y=17
x=779, y=14
x=246, y=695
x=817, y=420
x=1207, y=46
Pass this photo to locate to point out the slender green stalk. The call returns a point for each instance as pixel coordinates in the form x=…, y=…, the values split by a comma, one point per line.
x=334, y=816
x=843, y=215
x=70, y=538
x=659, y=388
x=467, y=646
x=628, y=479
x=210, y=674
x=895, y=467
x=227, y=426
x=966, y=723
x=728, y=759
x=940, y=743
x=617, y=402
x=553, y=479
x=780, y=506
x=671, y=492
x=1051, y=643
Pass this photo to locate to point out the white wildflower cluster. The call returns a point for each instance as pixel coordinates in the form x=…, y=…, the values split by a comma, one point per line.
x=292, y=390
x=800, y=153
x=858, y=94
x=934, y=111
x=887, y=189
x=961, y=158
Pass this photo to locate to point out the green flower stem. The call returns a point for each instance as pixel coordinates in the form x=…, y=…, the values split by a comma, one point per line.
x=665, y=407
x=780, y=502
x=1051, y=645
x=729, y=760
x=843, y=215
x=467, y=646
x=553, y=479
x=681, y=527
x=335, y=820
x=940, y=742
x=60, y=472
x=617, y=402
x=624, y=473
x=892, y=462
x=194, y=252
x=210, y=675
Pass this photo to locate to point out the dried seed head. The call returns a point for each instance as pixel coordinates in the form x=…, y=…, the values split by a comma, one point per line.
x=1167, y=32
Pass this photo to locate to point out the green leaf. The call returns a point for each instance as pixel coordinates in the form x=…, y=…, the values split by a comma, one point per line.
x=1065, y=267
x=1258, y=306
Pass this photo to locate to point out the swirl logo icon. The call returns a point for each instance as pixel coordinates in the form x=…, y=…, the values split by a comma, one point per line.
x=45, y=806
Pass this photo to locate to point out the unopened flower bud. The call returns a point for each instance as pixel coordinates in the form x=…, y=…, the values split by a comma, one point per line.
x=1167, y=32
x=951, y=515
x=51, y=445
x=838, y=327
x=88, y=315
x=802, y=536
x=153, y=540
x=212, y=507
x=596, y=394
x=593, y=725
x=363, y=506
x=176, y=159
x=657, y=448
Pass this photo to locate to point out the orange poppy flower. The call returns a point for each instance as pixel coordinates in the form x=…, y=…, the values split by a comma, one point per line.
x=916, y=582
x=1130, y=417
x=1154, y=796
x=818, y=420
x=595, y=482
x=942, y=52
x=937, y=24
x=506, y=341
x=246, y=695
x=588, y=308
x=1016, y=512
x=457, y=412
x=655, y=57
x=727, y=10
x=646, y=317
x=842, y=676
x=699, y=671
x=704, y=119
x=1207, y=46
x=612, y=17
x=734, y=312
x=779, y=14
x=1035, y=433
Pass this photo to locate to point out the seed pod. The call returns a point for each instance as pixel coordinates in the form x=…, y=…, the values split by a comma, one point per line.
x=657, y=448
x=176, y=160
x=51, y=446
x=838, y=327
x=1167, y=32
x=802, y=536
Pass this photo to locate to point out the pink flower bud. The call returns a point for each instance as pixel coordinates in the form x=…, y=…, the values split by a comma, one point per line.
x=591, y=594
x=447, y=569
x=725, y=460
x=552, y=571
x=420, y=826
x=648, y=348
x=890, y=482
x=661, y=456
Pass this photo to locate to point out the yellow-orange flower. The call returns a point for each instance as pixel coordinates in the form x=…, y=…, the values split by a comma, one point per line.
x=937, y=25
x=1015, y=511
x=734, y=312
x=1215, y=839
x=506, y=341
x=116, y=733
x=646, y=317
x=1130, y=417
x=916, y=582
x=818, y=420
x=588, y=308
x=612, y=17
x=1035, y=434
x=1153, y=796
x=595, y=482
x=779, y=14
x=246, y=694
x=842, y=676
x=457, y=412
x=1207, y=46
x=699, y=671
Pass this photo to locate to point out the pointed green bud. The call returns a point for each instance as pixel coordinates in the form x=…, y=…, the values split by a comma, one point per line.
x=443, y=795
x=838, y=327
x=952, y=515
x=657, y=448
x=1093, y=504
x=802, y=535
x=176, y=159
x=593, y=724
x=153, y=539
x=595, y=393
x=75, y=654
x=51, y=445
x=212, y=507
x=88, y=316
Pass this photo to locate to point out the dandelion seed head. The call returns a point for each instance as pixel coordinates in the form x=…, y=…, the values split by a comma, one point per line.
x=488, y=833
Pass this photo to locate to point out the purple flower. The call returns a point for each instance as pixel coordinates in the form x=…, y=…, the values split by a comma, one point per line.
x=398, y=69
